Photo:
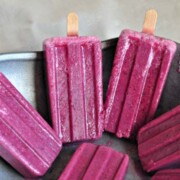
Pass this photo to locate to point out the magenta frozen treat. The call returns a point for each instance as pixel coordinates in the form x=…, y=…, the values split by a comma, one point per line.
x=138, y=76
x=96, y=162
x=167, y=174
x=74, y=78
x=140, y=68
x=159, y=142
x=27, y=142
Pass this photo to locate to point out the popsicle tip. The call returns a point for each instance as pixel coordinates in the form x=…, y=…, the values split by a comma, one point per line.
x=150, y=21
x=72, y=24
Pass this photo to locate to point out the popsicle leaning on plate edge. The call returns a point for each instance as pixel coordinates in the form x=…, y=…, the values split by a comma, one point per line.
x=140, y=68
x=74, y=78
x=159, y=142
x=27, y=142
x=96, y=162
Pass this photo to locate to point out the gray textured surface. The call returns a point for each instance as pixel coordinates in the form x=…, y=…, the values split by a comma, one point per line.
x=25, y=24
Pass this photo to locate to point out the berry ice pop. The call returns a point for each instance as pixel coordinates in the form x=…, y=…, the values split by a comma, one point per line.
x=96, y=162
x=27, y=142
x=159, y=142
x=167, y=174
x=141, y=65
x=74, y=77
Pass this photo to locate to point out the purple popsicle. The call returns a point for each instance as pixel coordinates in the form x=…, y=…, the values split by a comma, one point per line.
x=74, y=77
x=167, y=174
x=159, y=142
x=27, y=142
x=96, y=162
x=140, y=68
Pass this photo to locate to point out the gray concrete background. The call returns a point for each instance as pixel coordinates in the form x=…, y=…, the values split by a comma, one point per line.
x=25, y=24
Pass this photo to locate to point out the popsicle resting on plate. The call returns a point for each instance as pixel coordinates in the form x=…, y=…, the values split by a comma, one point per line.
x=159, y=142
x=74, y=78
x=140, y=68
x=96, y=162
x=167, y=174
x=27, y=142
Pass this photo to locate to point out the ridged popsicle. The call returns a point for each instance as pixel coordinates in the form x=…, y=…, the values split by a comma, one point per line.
x=140, y=68
x=74, y=78
x=27, y=142
x=96, y=162
x=159, y=142
x=167, y=174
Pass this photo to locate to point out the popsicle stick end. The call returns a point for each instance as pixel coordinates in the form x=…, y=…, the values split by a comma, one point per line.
x=150, y=21
x=72, y=24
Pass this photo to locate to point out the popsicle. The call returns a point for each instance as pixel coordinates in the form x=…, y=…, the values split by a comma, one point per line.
x=140, y=68
x=27, y=142
x=159, y=142
x=74, y=78
x=167, y=174
x=96, y=162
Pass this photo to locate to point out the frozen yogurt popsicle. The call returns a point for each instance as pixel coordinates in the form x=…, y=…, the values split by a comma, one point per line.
x=159, y=142
x=27, y=142
x=96, y=162
x=141, y=65
x=167, y=174
x=74, y=77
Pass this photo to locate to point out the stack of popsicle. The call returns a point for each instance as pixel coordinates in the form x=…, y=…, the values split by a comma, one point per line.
x=138, y=76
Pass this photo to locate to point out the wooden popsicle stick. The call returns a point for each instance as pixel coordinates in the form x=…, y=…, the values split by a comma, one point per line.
x=72, y=24
x=150, y=21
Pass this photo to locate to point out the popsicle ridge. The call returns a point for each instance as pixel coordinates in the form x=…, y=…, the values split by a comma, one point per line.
x=98, y=169
x=172, y=134
x=135, y=88
x=21, y=163
x=155, y=81
x=75, y=166
x=18, y=135
x=150, y=87
x=170, y=161
x=115, y=101
x=123, y=167
x=168, y=54
x=163, y=123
